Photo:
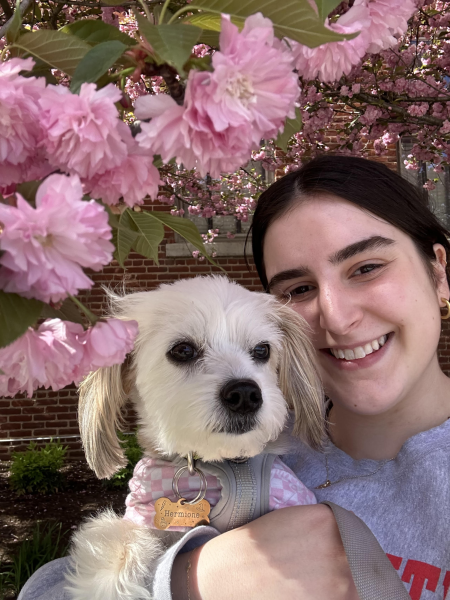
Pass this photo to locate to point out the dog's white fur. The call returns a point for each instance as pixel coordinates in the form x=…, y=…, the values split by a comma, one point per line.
x=180, y=411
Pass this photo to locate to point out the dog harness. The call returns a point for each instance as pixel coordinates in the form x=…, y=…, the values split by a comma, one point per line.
x=238, y=492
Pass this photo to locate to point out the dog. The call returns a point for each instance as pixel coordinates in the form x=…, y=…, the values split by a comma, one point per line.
x=215, y=372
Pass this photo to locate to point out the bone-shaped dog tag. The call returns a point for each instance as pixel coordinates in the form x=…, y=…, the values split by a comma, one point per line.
x=180, y=514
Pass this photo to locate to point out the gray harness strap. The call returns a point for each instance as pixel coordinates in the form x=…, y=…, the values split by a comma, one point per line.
x=374, y=576
x=245, y=490
x=246, y=494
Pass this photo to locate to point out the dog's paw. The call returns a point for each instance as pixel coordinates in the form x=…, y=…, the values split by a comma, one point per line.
x=112, y=559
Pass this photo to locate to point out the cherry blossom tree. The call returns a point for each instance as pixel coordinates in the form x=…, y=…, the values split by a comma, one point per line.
x=104, y=104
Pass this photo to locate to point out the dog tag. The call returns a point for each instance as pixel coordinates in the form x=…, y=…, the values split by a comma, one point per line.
x=180, y=514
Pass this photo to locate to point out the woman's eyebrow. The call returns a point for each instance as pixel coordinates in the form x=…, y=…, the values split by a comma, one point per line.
x=373, y=243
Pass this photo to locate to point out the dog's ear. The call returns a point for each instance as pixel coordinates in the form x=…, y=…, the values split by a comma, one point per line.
x=299, y=378
x=103, y=393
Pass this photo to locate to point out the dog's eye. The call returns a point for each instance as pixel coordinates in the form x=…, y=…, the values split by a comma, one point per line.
x=183, y=352
x=261, y=351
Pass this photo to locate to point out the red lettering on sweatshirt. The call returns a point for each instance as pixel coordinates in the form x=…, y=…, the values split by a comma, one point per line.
x=420, y=573
x=396, y=561
x=446, y=584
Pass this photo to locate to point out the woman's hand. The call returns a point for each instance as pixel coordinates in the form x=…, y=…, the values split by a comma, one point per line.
x=293, y=553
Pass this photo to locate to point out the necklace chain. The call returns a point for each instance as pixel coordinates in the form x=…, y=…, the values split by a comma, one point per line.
x=328, y=482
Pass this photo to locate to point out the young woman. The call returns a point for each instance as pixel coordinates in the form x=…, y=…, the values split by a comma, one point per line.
x=352, y=248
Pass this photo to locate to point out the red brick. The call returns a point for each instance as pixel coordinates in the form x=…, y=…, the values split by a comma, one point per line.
x=20, y=418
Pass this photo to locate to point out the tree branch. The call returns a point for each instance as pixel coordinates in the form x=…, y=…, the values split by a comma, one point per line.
x=7, y=10
x=54, y=17
x=23, y=7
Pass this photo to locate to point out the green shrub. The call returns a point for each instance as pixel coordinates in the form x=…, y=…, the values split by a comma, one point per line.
x=36, y=471
x=44, y=545
x=133, y=453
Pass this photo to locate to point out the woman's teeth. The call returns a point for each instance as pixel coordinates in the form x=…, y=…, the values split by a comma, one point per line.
x=359, y=351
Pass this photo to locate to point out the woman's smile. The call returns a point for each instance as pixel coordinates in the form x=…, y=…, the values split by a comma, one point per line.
x=359, y=356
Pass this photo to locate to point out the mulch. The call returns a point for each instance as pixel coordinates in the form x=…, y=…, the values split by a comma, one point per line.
x=83, y=496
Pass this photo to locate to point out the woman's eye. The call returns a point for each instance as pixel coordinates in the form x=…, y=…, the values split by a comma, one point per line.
x=298, y=292
x=367, y=269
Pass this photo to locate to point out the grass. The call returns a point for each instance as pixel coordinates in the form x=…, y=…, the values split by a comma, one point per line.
x=43, y=546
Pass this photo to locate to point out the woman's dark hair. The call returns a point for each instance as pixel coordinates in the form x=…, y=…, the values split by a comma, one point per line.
x=369, y=185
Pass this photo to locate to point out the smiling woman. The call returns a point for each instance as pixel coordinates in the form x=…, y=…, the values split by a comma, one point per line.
x=367, y=270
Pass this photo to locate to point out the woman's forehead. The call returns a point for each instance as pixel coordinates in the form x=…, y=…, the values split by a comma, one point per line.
x=318, y=228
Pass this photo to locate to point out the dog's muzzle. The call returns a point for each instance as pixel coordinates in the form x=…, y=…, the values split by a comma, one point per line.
x=242, y=399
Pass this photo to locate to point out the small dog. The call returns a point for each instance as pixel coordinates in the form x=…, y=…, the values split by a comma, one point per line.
x=214, y=372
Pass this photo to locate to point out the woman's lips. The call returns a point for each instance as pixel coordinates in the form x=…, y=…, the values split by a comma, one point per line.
x=358, y=363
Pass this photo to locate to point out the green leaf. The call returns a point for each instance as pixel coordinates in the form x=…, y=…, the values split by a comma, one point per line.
x=113, y=219
x=172, y=43
x=210, y=38
x=157, y=8
x=42, y=69
x=325, y=7
x=67, y=312
x=151, y=234
x=16, y=315
x=28, y=190
x=126, y=235
x=96, y=31
x=211, y=24
x=295, y=19
x=14, y=28
x=291, y=126
x=186, y=229
x=96, y=63
x=59, y=50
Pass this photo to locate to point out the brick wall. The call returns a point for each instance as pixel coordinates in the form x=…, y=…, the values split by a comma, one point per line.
x=51, y=413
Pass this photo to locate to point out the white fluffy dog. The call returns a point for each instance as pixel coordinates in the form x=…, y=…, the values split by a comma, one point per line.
x=214, y=371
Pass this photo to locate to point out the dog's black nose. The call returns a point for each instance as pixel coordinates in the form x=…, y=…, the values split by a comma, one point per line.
x=241, y=396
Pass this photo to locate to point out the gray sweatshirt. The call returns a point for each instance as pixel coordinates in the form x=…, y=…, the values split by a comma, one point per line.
x=405, y=502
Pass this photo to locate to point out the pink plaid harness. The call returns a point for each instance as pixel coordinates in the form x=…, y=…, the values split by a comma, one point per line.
x=152, y=479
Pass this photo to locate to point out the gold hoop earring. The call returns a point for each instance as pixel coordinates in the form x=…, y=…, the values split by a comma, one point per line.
x=447, y=315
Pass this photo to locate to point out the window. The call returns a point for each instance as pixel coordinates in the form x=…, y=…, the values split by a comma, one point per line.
x=439, y=197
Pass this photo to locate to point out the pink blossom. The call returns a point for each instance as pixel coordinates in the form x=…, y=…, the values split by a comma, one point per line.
x=170, y=135
x=46, y=357
x=330, y=61
x=225, y=113
x=20, y=130
x=418, y=110
x=371, y=115
x=445, y=127
x=133, y=180
x=429, y=185
x=45, y=248
x=82, y=130
x=388, y=20
x=253, y=81
x=108, y=343
x=59, y=353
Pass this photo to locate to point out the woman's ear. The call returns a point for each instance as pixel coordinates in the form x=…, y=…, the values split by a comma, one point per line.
x=442, y=288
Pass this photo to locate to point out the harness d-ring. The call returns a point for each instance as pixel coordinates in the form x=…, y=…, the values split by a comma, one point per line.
x=203, y=485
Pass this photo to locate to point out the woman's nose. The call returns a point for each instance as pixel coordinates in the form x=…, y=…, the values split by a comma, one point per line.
x=339, y=313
